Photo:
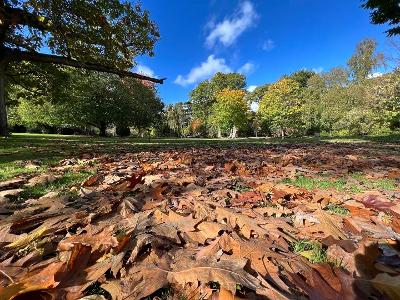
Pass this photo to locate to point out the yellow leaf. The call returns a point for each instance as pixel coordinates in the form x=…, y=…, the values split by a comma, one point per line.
x=307, y=254
x=28, y=238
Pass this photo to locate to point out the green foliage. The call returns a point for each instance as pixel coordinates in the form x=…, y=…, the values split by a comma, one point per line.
x=86, y=99
x=337, y=209
x=109, y=32
x=316, y=183
x=354, y=183
x=179, y=118
x=256, y=95
x=62, y=184
x=281, y=107
x=204, y=95
x=230, y=110
x=312, y=250
x=301, y=77
x=364, y=61
x=385, y=11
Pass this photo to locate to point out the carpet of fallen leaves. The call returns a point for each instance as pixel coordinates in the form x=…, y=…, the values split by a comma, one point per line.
x=208, y=223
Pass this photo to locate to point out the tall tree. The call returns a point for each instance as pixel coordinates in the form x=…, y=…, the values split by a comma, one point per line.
x=179, y=117
x=92, y=99
x=230, y=111
x=281, y=107
x=256, y=95
x=385, y=11
x=98, y=35
x=204, y=95
x=302, y=77
x=365, y=60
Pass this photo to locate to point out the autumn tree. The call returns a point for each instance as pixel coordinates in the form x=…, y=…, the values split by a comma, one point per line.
x=385, y=12
x=204, y=95
x=230, y=112
x=281, y=106
x=302, y=77
x=99, y=35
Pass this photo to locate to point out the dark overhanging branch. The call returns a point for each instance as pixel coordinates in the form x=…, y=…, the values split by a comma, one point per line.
x=17, y=16
x=19, y=55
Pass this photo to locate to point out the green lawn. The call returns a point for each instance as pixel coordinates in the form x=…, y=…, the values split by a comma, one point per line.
x=48, y=149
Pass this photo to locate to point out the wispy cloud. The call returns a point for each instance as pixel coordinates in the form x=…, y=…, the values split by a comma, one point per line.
x=246, y=68
x=227, y=31
x=268, y=45
x=205, y=70
x=144, y=70
x=251, y=88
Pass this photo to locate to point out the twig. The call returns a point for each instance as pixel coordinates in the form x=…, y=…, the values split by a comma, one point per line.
x=6, y=275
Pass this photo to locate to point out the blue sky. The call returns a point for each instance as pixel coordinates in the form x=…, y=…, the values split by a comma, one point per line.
x=263, y=39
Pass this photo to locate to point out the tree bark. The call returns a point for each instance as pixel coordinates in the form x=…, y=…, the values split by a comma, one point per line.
x=3, y=110
x=233, y=132
x=103, y=129
x=18, y=55
x=219, y=134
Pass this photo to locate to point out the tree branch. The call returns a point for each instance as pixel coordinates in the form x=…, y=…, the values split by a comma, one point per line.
x=19, y=55
x=17, y=16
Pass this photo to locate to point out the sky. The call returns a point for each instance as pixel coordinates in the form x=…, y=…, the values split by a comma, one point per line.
x=262, y=39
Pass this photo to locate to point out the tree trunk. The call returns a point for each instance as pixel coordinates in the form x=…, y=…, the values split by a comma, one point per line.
x=282, y=133
x=103, y=128
x=219, y=134
x=233, y=132
x=3, y=110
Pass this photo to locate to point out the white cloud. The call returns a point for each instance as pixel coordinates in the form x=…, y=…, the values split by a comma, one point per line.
x=374, y=75
x=251, y=88
x=227, y=31
x=254, y=106
x=144, y=70
x=207, y=69
x=246, y=68
x=268, y=45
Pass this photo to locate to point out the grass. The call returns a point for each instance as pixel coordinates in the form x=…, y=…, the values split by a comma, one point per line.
x=342, y=183
x=312, y=250
x=62, y=184
x=316, y=183
x=381, y=183
x=14, y=168
x=315, y=253
x=337, y=209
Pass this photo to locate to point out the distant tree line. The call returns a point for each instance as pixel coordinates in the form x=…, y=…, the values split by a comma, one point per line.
x=351, y=100
x=67, y=100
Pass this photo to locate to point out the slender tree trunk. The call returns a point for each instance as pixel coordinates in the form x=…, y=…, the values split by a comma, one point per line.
x=234, y=132
x=219, y=134
x=3, y=110
x=103, y=128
